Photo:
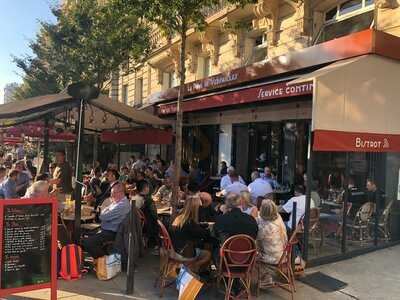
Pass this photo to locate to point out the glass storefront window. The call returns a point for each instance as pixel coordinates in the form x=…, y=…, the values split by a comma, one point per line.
x=363, y=214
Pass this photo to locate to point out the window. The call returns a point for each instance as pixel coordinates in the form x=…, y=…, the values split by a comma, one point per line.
x=346, y=18
x=350, y=6
x=125, y=93
x=259, y=50
x=207, y=67
x=139, y=92
x=169, y=80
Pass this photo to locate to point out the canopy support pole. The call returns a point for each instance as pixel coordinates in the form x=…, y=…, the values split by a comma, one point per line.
x=345, y=203
x=308, y=194
x=78, y=171
x=95, y=148
x=45, y=165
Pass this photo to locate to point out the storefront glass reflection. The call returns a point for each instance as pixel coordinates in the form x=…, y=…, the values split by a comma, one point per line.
x=363, y=214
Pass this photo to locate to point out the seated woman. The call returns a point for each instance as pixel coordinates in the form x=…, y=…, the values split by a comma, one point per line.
x=247, y=206
x=271, y=240
x=186, y=230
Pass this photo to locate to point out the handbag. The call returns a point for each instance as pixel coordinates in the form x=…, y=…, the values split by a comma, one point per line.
x=108, y=266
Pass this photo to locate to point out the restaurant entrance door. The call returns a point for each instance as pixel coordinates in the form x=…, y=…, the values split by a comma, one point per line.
x=280, y=145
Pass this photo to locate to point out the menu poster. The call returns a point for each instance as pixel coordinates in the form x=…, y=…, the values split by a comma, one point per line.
x=26, y=245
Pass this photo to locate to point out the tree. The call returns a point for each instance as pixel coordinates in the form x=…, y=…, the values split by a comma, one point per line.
x=89, y=42
x=175, y=17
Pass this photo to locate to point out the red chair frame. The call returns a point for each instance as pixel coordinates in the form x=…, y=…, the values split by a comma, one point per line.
x=237, y=257
x=169, y=259
x=284, y=268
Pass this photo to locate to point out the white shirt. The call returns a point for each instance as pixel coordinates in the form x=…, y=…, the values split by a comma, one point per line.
x=139, y=164
x=300, y=208
x=259, y=188
x=226, y=180
x=236, y=188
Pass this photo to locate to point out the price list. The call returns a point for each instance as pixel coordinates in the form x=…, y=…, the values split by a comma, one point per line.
x=26, y=255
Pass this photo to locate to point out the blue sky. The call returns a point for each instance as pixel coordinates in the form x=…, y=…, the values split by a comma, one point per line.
x=18, y=25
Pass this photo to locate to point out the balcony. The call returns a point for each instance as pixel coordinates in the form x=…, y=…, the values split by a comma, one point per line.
x=209, y=11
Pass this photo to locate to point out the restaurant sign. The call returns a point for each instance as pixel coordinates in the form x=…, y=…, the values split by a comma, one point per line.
x=330, y=140
x=250, y=95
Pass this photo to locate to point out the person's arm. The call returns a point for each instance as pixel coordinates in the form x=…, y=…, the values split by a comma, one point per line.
x=287, y=208
x=254, y=212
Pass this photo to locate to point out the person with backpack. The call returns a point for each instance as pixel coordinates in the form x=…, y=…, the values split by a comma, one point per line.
x=111, y=217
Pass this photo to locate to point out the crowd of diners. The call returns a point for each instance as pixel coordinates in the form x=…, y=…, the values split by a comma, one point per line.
x=203, y=222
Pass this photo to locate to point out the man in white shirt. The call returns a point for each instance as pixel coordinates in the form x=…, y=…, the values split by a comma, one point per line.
x=259, y=187
x=139, y=164
x=300, y=199
x=227, y=179
x=236, y=187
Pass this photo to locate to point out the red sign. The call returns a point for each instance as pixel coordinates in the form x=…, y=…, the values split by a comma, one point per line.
x=329, y=140
x=261, y=93
x=28, y=245
x=138, y=137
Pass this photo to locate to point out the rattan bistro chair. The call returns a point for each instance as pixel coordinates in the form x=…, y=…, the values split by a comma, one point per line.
x=237, y=257
x=170, y=261
x=284, y=268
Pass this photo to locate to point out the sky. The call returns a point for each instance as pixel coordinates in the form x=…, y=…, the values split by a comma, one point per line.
x=19, y=23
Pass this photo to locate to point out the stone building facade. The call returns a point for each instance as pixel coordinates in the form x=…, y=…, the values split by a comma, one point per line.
x=237, y=37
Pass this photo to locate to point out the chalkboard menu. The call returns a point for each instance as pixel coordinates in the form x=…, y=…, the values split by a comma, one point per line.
x=26, y=245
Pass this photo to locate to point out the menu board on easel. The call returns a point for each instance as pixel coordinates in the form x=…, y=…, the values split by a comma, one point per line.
x=28, y=245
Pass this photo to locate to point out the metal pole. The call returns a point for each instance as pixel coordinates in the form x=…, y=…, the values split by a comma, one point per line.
x=308, y=194
x=78, y=171
x=130, y=273
x=45, y=163
x=119, y=156
x=95, y=148
x=345, y=202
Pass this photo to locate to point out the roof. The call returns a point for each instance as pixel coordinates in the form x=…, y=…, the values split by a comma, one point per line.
x=102, y=113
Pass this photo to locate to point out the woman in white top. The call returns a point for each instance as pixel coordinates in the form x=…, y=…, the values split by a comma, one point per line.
x=246, y=205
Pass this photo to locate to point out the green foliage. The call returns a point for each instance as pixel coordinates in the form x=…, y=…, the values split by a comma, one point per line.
x=88, y=42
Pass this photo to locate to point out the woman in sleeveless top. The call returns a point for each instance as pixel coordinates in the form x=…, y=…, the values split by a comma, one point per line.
x=247, y=207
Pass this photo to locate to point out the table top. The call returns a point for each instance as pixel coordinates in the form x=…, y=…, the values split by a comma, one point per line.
x=332, y=203
x=87, y=213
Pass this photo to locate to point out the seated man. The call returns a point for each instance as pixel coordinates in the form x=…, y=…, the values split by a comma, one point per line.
x=8, y=188
x=234, y=221
x=259, y=187
x=111, y=217
x=164, y=193
x=227, y=179
x=236, y=187
x=300, y=199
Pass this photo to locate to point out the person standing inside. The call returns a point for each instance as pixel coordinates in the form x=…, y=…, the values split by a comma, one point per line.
x=62, y=179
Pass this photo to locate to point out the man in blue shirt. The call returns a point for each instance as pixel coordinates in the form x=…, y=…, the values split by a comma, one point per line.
x=111, y=217
x=8, y=188
x=268, y=178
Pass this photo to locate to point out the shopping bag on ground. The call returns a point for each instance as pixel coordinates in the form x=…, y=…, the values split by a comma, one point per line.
x=188, y=284
x=109, y=266
x=70, y=262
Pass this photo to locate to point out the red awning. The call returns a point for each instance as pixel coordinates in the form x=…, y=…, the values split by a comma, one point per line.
x=148, y=136
x=265, y=92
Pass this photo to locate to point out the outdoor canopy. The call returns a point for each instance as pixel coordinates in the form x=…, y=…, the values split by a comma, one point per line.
x=102, y=113
x=356, y=105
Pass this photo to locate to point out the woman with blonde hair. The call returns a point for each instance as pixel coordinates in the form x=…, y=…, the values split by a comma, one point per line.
x=186, y=231
x=246, y=206
x=271, y=239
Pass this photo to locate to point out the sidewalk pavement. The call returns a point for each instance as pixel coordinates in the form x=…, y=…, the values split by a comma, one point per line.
x=373, y=276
